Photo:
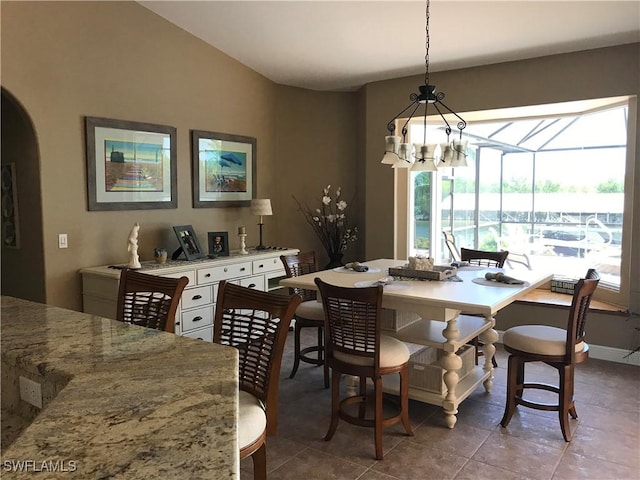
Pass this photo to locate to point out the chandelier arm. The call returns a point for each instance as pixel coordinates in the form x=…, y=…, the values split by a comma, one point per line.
x=448, y=129
x=461, y=124
x=404, y=127
x=391, y=125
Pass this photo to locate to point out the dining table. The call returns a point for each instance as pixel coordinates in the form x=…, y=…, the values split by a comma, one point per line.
x=443, y=314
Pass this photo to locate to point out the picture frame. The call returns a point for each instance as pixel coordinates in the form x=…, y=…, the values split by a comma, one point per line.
x=223, y=169
x=218, y=244
x=130, y=165
x=189, y=244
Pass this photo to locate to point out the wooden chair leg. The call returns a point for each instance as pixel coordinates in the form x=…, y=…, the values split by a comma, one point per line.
x=335, y=404
x=259, y=458
x=362, y=408
x=565, y=401
x=513, y=368
x=378, y=415
x=296, y=351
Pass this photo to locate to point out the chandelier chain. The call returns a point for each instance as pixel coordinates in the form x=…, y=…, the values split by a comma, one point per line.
x=426, y=47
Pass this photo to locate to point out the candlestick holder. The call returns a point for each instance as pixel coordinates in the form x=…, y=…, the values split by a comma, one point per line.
x=243, y=246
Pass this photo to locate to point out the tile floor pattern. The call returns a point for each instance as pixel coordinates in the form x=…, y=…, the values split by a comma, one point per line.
x=606, y=443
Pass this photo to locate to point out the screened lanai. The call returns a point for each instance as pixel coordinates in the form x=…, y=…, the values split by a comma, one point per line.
x=550, y=186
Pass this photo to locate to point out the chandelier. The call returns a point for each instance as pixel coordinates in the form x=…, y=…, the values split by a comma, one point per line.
x=424, y=156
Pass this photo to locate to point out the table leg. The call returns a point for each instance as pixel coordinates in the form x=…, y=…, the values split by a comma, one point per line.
x=488, y=338
x=451, y=363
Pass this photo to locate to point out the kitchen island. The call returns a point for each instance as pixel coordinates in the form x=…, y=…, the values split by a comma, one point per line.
x=118, y=401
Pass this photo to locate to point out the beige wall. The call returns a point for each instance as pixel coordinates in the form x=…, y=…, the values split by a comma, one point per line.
x=64, y=61
x=316, y=141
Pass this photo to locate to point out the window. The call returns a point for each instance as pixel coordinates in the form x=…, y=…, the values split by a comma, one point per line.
x=549, y=184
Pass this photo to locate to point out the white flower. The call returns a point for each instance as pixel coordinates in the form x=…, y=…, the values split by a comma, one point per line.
x=330, y=221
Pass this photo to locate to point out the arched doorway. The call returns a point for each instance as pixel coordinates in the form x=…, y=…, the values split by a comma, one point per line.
x=22, y=242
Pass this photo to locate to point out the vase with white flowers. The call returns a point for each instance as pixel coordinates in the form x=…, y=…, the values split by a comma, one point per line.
x=331, y=224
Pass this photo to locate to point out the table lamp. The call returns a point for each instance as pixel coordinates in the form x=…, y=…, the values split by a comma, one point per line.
x=260, y=207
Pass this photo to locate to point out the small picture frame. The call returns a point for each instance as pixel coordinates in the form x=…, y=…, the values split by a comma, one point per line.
x=189, y=244
x=218, y=244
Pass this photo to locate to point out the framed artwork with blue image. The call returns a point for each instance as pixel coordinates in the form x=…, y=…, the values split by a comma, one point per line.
x=224, y=169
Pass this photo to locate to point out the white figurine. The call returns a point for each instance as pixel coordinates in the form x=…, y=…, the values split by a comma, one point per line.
x=134, y=260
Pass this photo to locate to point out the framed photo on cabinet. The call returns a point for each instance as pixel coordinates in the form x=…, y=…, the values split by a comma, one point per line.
x=224, y=169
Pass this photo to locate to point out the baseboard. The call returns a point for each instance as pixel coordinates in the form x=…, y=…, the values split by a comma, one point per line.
x=600, y=352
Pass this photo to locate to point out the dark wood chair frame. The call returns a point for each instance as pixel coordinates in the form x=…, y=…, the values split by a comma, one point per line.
x=294, y=266
x=149, y=300
x=353, y=327
x=565, y=363
x=256, y=323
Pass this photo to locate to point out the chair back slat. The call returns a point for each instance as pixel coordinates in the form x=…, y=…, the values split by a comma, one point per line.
x=256, y=323
x=149, y=300
x=352, y=320
x=300, y=264
x=483, y=257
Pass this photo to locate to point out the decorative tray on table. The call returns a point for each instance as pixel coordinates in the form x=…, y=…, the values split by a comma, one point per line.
x=439, y=272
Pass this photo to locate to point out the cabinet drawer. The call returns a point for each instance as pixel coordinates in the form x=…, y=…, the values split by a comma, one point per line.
x=205, y=334
x=197, y=318
x=257, y=283
x=195, y=297
x=190, y=274
x=224, y=272
x=267, y=265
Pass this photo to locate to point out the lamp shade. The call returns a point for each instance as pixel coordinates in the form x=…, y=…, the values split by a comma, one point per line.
x=261, y=206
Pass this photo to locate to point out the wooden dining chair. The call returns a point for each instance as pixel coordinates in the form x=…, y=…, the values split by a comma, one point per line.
x=354, y=346
x=256, y=323
x=450, y=242
x=149, y=300
x=560, y=348
x=309, y=314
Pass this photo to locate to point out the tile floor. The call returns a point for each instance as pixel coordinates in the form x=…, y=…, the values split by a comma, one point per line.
x=606, y=443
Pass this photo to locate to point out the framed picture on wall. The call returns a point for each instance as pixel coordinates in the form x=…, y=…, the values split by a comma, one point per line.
x=224, y=169
x=189, y=244
x=218, y=244
x=130, y=165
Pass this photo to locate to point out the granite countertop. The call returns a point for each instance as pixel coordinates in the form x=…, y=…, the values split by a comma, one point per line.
x=120, y=401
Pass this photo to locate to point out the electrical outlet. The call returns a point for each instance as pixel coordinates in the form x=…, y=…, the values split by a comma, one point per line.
x=62, y=240
x=31, y=392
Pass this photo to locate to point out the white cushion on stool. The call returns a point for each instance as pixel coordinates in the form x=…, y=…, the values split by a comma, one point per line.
x=311, y=310
x=393, y=352
x=539, y=339
x=252, y=419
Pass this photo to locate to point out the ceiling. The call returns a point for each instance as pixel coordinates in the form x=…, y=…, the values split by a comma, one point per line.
x=342, y=45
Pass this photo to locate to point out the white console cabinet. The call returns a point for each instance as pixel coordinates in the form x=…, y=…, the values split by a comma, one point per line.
x=261, y=270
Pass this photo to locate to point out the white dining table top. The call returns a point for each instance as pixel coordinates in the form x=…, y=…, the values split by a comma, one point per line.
x=448, y=296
